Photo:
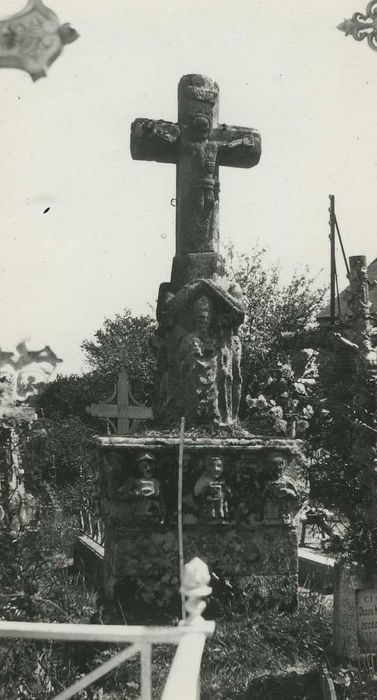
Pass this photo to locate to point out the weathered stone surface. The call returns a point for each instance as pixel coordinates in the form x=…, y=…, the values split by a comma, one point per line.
x=347, y=581
x=197, y=346
x=355, y=611
x=195, y=266
x=238, y=500
x=198, y=145
x=250, y=488
x=126, y=413
x=366, y=601
x=261, y=561
x=198, y=354
x=195, y=443
x=237, y=513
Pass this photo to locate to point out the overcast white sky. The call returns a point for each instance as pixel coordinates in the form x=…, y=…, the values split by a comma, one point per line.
x=108, y=239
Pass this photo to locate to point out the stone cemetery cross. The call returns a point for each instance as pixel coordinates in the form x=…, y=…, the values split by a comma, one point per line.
x=122, y=411
x=198, y=145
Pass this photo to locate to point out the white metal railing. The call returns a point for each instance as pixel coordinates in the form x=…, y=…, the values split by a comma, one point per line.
x=327, y=684
x=190, y=636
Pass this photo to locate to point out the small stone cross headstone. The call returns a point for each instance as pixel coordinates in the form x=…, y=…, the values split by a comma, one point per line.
x=123, y=412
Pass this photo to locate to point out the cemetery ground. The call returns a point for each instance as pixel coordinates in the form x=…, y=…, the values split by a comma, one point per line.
x=254, y=654
x=265, y=654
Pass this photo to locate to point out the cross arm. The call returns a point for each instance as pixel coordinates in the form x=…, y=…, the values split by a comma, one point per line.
x=154, y=139
x=105, y=410
x=239, y=146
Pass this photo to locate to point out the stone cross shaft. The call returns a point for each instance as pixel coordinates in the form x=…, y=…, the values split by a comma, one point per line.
x=122, y=411
x=198, y=145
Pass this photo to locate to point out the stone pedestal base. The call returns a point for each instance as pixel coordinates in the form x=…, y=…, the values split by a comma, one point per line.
x=237, y=498
x=260, y=562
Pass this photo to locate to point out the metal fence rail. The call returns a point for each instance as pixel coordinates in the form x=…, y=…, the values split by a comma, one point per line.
x=190, y=636
x=327, y=685
x=91, y=523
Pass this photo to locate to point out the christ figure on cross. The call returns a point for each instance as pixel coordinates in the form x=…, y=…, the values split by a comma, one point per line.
x=198, y=145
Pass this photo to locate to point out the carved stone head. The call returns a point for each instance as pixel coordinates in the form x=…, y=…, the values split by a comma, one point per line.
x=214, y=466
x=200, y=127
x=277, y=463
x=145, y=464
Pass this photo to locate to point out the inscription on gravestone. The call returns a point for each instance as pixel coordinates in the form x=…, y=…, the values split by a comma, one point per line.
x=367, y=618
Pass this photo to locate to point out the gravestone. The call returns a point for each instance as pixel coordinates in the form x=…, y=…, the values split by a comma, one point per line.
x=355, y=611
x=366, y=603
x=126, y=411
x=238, y=500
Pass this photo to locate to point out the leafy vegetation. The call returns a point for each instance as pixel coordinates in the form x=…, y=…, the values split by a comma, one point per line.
x=124, y=341
x=37, y=584
x=271, y=308
x=37, y=580
x=336, y=478
x=60, y=451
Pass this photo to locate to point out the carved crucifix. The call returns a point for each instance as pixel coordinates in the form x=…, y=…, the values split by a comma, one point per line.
x=198, y=145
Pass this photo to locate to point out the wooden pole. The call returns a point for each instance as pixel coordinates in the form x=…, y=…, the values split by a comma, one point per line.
x=180, y=524
x=332, y=259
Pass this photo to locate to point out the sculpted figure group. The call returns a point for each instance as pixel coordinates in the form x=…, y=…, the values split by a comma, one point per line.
x=209, y=499
x=199, y=360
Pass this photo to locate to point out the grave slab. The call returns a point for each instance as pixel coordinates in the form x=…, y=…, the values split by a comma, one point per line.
x=355, y=612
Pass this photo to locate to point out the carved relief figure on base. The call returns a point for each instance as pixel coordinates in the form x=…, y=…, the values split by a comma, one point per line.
x=143, y=492
x=211, y=494
x=282, y=494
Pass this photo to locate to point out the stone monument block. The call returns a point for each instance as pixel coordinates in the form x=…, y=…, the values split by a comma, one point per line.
x=237, y=500
x=238, y=508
